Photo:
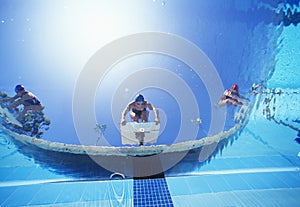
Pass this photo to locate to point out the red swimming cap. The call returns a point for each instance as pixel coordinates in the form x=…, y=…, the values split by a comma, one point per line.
x=235, y=87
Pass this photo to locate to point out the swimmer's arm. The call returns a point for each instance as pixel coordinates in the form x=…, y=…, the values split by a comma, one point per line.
x=243, y=97
x=10, y=99
x=155, y=110
x=21, y=99
x=125, y=112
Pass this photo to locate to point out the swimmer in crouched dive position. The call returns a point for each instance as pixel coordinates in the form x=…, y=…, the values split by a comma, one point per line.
x=138, y=110
x=25, y=98
x=232, y=96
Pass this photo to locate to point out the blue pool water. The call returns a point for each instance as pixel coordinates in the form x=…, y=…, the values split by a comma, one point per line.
x=46, y=45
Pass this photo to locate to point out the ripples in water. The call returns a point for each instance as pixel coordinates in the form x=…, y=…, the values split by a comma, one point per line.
x=5, y=141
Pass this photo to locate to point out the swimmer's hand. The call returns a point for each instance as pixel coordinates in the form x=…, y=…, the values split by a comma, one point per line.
x=157, y=121
x=123, y=122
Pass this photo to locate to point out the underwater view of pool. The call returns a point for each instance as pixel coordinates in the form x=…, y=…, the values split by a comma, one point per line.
x=85, y=61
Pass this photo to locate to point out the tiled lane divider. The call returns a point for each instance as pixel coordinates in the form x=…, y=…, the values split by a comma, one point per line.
x=151, y=193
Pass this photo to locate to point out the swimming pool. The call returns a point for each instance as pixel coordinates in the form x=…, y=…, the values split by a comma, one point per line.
x=256, y=166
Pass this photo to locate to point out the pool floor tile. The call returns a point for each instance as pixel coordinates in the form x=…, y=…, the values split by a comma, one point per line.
x=244, y=198
x=5, y=193
x=21, y=196
x=119, y=190
x=198, y=184
x=71, y=192
x=236, y=182
x=47, y=194
x=20, y=173
x=255, y=180
x=178, y=186
x=237, y=189
x=5, y=172
x=217, y=183
x=291, y=179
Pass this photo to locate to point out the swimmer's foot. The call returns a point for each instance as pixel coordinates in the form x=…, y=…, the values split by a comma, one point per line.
x=7, y=121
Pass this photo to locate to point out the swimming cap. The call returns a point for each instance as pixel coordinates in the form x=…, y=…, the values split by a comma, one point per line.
x=139, y=98
x=19, y=88
x=235, y=87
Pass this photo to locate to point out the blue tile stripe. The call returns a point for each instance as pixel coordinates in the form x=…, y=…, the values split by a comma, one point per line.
x=151, y=193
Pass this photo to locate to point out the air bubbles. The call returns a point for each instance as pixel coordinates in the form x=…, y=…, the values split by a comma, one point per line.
x=21, y=40
x=162, y=3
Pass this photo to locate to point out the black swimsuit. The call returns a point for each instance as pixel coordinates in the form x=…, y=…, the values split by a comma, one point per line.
x=31, y=101
x=138, y=113
x=231, y=96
